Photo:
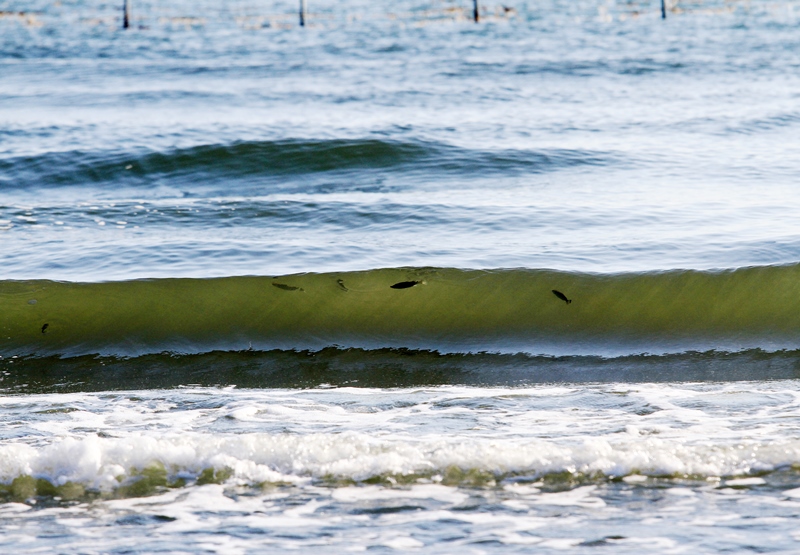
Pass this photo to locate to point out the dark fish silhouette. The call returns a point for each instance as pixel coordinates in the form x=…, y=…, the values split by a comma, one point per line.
x=44, y=328
x=340, y=283
x=404, y=284
x=287, y=287
x=561, y=296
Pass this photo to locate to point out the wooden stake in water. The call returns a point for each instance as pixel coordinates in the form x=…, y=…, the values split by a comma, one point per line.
x=663, y=9
x=302, y=13
x=475, y=10
x=126, y=13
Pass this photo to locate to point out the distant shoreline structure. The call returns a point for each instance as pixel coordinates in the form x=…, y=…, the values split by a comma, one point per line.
x=142, y=15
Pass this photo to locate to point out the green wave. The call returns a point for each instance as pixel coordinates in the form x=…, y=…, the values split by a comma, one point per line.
x=447, y=310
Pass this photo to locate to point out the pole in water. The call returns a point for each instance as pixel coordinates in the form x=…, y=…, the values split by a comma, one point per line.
x=663, y=9
x=126, y=13
x=475, y=11
x=302, y=13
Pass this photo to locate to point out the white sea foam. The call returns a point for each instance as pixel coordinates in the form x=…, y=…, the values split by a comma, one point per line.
x=293, y=460
x=296, y=436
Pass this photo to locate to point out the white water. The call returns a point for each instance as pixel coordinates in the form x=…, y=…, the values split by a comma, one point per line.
x=299, y=435
x=681, y=457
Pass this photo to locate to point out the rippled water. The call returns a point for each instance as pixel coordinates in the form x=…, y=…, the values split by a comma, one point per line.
x=415, y=197
x=554, y=139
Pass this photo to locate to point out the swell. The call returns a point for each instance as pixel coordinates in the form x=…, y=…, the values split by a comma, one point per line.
x=442, y=309
x=281, y=159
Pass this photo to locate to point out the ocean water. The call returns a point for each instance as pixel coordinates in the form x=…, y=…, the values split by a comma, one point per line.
x=396, y=281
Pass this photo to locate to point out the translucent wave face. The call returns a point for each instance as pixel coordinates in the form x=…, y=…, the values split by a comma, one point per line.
x=432, y=309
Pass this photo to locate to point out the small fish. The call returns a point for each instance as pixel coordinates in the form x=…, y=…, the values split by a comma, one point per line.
x=287, y=287
x=44, y=328
x=340, y=283
x=405, y=284
x=561, y=296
